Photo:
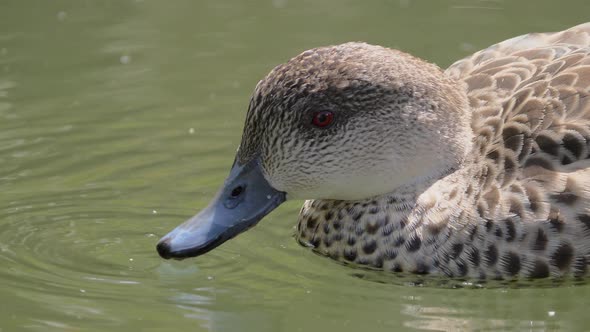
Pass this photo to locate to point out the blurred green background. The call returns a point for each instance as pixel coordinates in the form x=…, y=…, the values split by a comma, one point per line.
x=119, y=119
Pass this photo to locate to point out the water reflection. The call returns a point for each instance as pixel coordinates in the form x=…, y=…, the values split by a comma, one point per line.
x=436, y=319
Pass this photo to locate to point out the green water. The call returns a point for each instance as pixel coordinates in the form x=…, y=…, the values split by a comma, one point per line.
x=119, y=119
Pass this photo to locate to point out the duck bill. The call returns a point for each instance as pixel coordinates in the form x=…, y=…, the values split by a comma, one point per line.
x=245, y=198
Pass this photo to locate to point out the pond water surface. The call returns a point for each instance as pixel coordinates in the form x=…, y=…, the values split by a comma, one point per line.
x=119, y=119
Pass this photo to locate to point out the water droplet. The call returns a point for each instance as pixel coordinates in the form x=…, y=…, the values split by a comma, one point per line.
x=62, y=15
x=279, y=3
x=467, y=47
x=125, y=59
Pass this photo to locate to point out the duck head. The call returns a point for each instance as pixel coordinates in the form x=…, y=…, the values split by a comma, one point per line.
x=344, y=122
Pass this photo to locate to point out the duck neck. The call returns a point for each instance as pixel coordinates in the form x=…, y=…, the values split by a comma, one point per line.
x=389, y=231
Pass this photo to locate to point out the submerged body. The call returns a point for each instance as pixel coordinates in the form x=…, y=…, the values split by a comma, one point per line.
x=480, y=171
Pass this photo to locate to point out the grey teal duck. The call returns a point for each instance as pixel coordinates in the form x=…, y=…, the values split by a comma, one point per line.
x=480, y=171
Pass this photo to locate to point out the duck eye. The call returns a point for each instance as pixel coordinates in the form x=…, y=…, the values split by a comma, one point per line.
x=323, y=118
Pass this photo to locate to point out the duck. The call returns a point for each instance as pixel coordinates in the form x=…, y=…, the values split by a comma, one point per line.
x=478, y=171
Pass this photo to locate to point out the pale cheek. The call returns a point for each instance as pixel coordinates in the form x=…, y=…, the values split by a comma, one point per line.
x=370, y=169
x=360, y=179
x=342, y=184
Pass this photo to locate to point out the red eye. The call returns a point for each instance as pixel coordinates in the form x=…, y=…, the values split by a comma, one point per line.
x=323, y=119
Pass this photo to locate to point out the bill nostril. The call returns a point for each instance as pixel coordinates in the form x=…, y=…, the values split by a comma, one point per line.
x=164, y=249
x=237, y=191
x=235, y=197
